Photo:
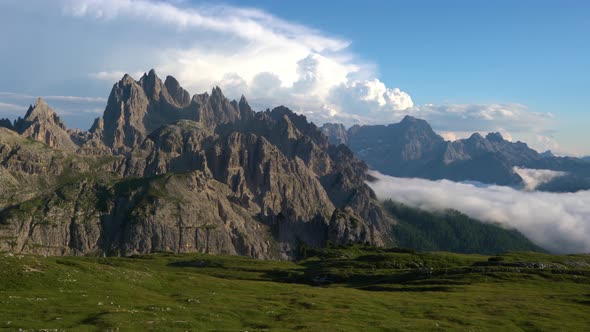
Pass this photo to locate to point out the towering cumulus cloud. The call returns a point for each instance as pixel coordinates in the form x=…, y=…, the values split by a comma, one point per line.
x=558, y=222
x=271, y=60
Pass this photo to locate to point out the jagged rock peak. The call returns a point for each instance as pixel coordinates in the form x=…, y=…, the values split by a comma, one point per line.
x=410, y=121
x=126, y=79
x=41, y=123
x=6, y=123
x=495, y=137
x=40, y=111
x=216, y=93
x=97, y=125
x=243, y=100
x=476, y=136
x=40, y=101
x=177, y=92
x=151, y=84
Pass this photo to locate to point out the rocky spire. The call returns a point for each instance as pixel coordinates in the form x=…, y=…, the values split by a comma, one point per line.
x=495, y=137
x=124, y=114
x=179, y=95
x=152, y=85
x=246, y=111
x=43, y=124
x=6, y=123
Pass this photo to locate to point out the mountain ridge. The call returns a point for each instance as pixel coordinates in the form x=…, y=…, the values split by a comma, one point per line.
x=411, y=148
x=163, y=171
x=160, y=171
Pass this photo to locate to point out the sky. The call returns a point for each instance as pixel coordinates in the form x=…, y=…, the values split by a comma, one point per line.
x=521, y=68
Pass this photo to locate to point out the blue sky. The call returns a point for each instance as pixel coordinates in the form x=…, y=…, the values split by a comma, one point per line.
x=518, y=67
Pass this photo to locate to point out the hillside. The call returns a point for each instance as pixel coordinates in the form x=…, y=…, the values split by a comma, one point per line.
x=453, y=231
x=386, y=289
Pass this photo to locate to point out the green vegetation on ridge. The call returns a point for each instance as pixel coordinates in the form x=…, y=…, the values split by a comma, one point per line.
x=453, y=231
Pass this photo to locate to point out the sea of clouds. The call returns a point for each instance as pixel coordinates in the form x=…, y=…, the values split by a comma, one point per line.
x=558, y=222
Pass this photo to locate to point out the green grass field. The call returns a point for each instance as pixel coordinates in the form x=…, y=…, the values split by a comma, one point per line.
x=347, y=289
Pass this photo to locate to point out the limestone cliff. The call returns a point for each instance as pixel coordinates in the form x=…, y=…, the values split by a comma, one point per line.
x=161, y=171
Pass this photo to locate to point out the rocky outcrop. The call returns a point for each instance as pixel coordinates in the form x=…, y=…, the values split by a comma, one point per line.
x=137, y=108
x=173, y=213
x=345, y=227
x=161, y=171
x=41, y=123
x=6, y=123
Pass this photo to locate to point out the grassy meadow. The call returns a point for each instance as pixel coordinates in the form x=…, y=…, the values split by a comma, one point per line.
x=352, y=288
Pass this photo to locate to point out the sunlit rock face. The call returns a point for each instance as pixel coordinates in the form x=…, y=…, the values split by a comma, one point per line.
x=161, y=171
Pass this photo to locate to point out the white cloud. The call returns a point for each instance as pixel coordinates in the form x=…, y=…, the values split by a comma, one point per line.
x=250, y=24
x=559, y=222
x=547, y=141
x=451, y=135
x=225, y=40
x=8, y=109
x=504, y=118
x=113, y=76
x=533, y=178
x=79, y=112
x=13, y=95
x=456, y=135
x=245, y=51
x=368, y=98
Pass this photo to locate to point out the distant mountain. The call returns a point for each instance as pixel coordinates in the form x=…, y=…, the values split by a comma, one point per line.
x=587, y=158
x=411, y=148
x=453, y=231
x=336, y=133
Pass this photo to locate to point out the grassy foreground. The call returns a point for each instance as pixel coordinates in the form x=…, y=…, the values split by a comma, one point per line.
x=346, y=289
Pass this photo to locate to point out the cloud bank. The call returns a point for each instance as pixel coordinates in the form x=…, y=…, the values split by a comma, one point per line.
x=559, y=222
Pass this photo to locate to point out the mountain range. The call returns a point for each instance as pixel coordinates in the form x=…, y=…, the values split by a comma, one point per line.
x=411, y=148
x=162, y=171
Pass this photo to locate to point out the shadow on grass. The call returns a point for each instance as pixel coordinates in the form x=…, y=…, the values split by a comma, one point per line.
x=221, y=270
x=97, y=320
x=386, y=288
x=376, y=269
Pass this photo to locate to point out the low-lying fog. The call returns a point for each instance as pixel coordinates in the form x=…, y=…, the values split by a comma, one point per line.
x=559, y=222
